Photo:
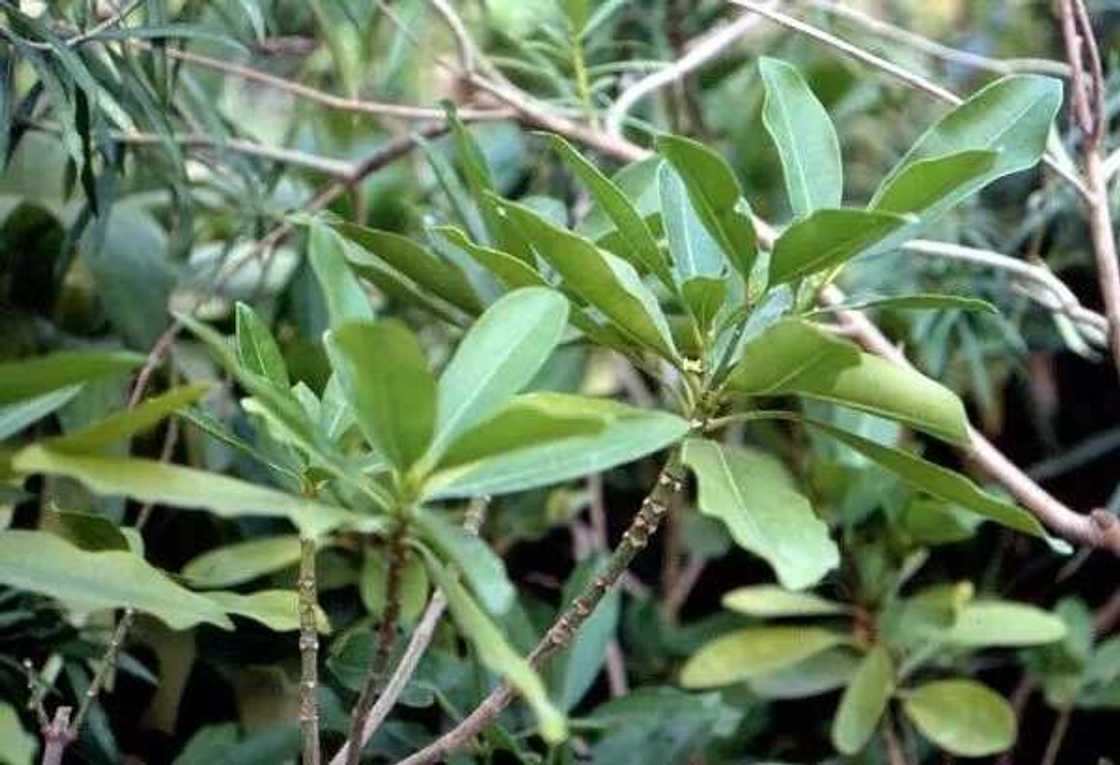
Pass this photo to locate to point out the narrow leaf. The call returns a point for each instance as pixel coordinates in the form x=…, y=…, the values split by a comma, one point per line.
x=257, y=349
x=242, y=562
x=768, y=601
x=1003, y=623
x=754, y=652
x=346, y=301
x=28, y=378
x=829, y=238
x=864, y=701
x=483, y=570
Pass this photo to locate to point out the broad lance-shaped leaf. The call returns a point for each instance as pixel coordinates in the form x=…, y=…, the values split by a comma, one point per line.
x=152, y=481
x=346, y=301
x=499, y=355
x=620, y=434
x=829, y=238
x=638, y=181
x=751, y=495
x=42, y=562
x=257, y=349
x=483, y=570
x=386, y=379
x=496, y=653
x=510, y=271
x=864, y=701
x=242, y=562
x=693, y=250
x=806, y=140
x=944, y=484
x=754, y=652
x=716, y=196
x=962, y=717
x=33, y=377
x=929, y=187
x=637, y=242
x=417, y=263
x=768, y=601
x=794, y=356
x=1011, y=116
x=1004, y=623
x=606, y=281
x=123, y=424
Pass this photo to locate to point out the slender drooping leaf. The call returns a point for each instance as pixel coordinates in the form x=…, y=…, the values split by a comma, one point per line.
x=511, y=271
x=151, y=481
x=483, y=570
x=924, y=301
x=242, y=562
x=754, y=652
x=637, y=243
x=125, y=423
x=962, y=717
x=417, y=263
x=748, y=492
x=496, y=653
x=257, y=349
x=829, y=238
x=17, y=416
x=42, y=562
x=28, y=378
x=864, y=701
x=768, y=601
x=793, y=356
x=385, y=376
x=945, y=484
x=806, y=140
x=346, y=301
x=1011, y=116
x=624, y=434
x=500, y=354
x=604, y=280
x=716, y=197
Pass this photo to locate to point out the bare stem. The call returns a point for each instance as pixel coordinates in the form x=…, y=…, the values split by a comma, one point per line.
x=386, y=637
x=669, y=484
x=1057, y=736
x=57, y=736
x=309, y=654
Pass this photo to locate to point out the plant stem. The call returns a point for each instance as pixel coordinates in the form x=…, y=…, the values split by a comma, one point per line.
x=1057, y=736
x=309, y=654
x=57, y=736
x=670, y=483
x=583, y=87
x=386, y=637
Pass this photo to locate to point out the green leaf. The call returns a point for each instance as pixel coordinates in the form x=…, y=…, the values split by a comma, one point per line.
x=126, y=423
x=717, y=198
x=768, y=601
x=704, y=297
x=386, y=379
x=499, y=355
x=33, y=377
x=17, y=746
x=755, y=499
x=962, y=717
x=945, y=484
x=512, y=272
x=15, y=417
x=694, y=252
x=242, y=562
x=923, y=301
x=276, y=609
x=346, y=300
x=806, y=140
x=823, y=672
x=829, y=238
x=625, y=434
x=47, y=564
x=417, y=263
x=637, y=243
x=1011, y=116
x=604, y=280
x=373, y=585
x=864, y=701
x=795, y=357
x=929, y=187
x=151, y=481
x=496, y=653
x=257, y=349
x=1002, y=623
x=754, y=652
x=483, y=570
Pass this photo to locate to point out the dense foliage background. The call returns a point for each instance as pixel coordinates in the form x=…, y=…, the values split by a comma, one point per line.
x=165, y=156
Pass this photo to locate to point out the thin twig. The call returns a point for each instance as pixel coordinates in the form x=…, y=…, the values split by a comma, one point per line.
x=1057, y=736
x=111, y=21
x=669, y=484
x=414, y=652
x=57, y=736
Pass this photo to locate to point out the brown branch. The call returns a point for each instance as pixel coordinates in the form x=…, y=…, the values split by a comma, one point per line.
x=57, y=736
x=309, y=654
x=669, y=484
x=1087, y=110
